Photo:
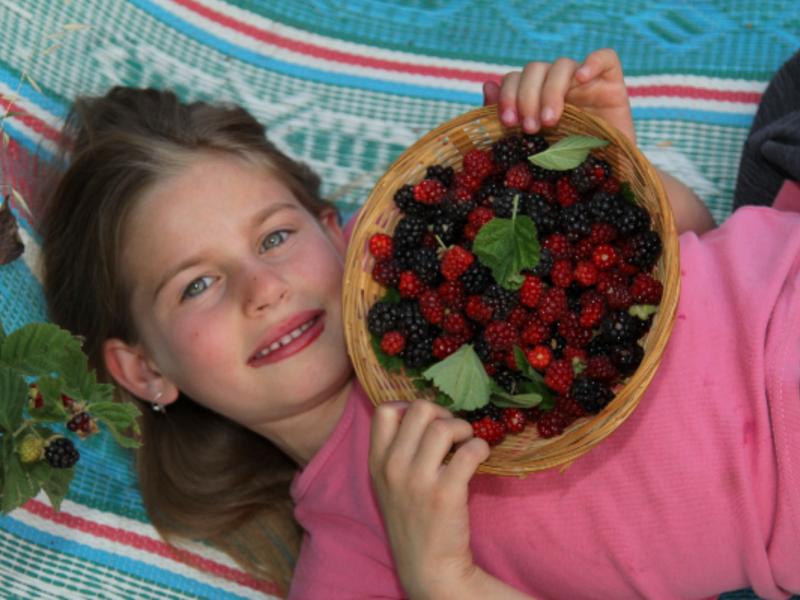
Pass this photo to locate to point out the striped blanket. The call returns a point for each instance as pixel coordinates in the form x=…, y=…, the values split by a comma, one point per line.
x=345, y=85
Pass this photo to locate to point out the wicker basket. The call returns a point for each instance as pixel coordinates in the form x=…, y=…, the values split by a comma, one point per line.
x=446, y=145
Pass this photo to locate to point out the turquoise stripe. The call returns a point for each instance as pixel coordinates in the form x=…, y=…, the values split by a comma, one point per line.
x=31, y=144
x=11, y=79
x=697, y=116
x=134, y=568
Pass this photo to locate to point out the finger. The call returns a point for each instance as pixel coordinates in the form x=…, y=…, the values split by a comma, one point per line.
x=555, y=88
x=529, y=95
x=438, y=439
x=507, y=102
x=600, y=63
x=385, y=424
x=416, y=419
x=491, y=93
x=465, y=462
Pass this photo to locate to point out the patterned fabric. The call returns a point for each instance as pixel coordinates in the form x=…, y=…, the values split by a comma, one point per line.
x=345, y=85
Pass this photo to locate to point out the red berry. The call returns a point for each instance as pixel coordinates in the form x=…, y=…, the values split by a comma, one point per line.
x=569, y=409
x=586, y=273
x=478, y=310
x=566, y=194
x=456, y=323
x=604, y=257
x=451, y=293
x=500, y=335
x=519, y=177
x=600, y=367
x=478, y=162
x=67, y=402
x=539, y=357
x=518, y=317
x=393, y=343
x=35, y=398
x=602, y=233
x=445, y=345
x=545, y=189
x=456, y=261
x=410, y=285
x=386, y=273
x=569, y=326
x=490, y=430
x=559, y=246
x=646, y=289
x=535, y=332
x=531, y=291
x=430, y=306
x=614, y=287
x=514, y=419
x=381, y=246
x=575, y=356
x=561, y=273
x=550, y=424
x=611, y=185
x=552, y=305
x=593, y=307
x=558, y=376
x=429, y=191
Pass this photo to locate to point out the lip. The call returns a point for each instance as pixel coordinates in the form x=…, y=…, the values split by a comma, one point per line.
x=296, y=345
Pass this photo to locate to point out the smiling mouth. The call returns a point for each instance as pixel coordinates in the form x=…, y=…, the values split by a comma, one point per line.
x=286, y=339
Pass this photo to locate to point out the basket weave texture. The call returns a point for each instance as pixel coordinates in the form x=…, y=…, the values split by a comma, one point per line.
x=446, y=145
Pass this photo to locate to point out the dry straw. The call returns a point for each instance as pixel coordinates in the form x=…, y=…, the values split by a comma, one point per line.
x=446, y=145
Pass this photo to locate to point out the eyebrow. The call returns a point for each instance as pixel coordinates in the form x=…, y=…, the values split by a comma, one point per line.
x=258, y=219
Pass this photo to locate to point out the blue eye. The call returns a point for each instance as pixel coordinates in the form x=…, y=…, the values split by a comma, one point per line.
x=196, y=287
x=276, y=238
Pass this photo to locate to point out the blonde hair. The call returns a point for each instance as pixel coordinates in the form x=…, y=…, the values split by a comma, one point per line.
x=201, y=475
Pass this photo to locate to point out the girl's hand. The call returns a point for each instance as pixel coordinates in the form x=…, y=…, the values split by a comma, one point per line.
x=424, y=500
x=535, y=96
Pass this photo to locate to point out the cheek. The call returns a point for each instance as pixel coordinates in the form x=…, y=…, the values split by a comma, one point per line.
x=201, y=345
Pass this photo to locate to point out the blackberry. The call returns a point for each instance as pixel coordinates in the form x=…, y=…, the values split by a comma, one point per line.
x=631, y=218
x=458, y=210
x=509, y=381
x=425, y=263
x=627, y=357
x=476, y=278
x=61, y=453
x=605, y=207
x=445, y=227
x=533, y=143
x=382, y=317
x=542, y=174
x=418, y=353
x=646, y=249
x=592, y=394
x=492, y=186
x=542, y=268
x=409, y=231
x=500, y=299
x=503, y=203
x=482, y=349
x=403, y=256
x=589, y=174
x=576, y=221
x=411, y=323
x=442, y=173
x=487, y=410
x=618, y=327
x=545, y=216
x=557, y=343
x=597, y=346
x=404, y=199
x=508, y=151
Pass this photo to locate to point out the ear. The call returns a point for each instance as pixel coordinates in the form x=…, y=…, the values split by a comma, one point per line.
x=330, y=223
x=131, y=368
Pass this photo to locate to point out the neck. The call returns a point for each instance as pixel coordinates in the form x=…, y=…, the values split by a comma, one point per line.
x=301, y=436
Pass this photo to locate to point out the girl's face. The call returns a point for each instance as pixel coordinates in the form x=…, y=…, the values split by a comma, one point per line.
x=236, y=295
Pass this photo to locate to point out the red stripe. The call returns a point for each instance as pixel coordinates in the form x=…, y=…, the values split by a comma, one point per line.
x=685, y=91
x=141, y=542
x=28, y=119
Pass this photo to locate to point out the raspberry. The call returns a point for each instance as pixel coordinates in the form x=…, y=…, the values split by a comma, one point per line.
x=445, y=345
x=561, y=273
x=602, y=233
x=478, y=310
x=451, y=293
x=382, y=317
x=409, y=285
x=519, y=317
x=381, y=246
x=514, y=419
x=550, y=424
x=600, y=367
x=591, y=173
x=558, y=376
x=604, y=257
x=500, y=335
x=531, y=291
x=467, y=180
x=431, y=307
x=591, y=394
x=577, y=357
x=568, y=409
x=456, y=324
x=558, y=245
x=61, y=453
x=456, y=261
x=519, y=177
x=593, y=307
x=545, y=189
x=393, y=342
x=645, y=289
x=611, y=185
x=552, y=305
x=478, y=162
x=535, y=332
x=566, y=194
x=490, y=430
x=429, y=191
x=584, y=248
x=539, y=357
x=585, y=273
x=31, y=448
x=480, y=215
x=575, y=335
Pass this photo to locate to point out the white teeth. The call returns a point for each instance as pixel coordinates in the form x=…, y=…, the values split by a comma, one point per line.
x=292, y=335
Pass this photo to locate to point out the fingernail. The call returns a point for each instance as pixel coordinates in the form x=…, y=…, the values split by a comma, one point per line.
x=548, y=114
x=530, y=124
x=583, y=71
x=509, y=116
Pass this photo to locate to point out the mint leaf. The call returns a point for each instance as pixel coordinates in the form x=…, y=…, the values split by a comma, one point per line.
x=37, y=348
x=567, y=153
x=19, y=484
x=13, y=393
x=507, y=247
x=118, y=417
x=502, y=398
x=55, y=483
x=462, y=377
x=643, y=311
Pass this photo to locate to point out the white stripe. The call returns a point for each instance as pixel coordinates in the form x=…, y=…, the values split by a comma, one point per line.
x=36, y=111
x=694, y=104
x=32, y=254
x=698, y=81
x=113, y=547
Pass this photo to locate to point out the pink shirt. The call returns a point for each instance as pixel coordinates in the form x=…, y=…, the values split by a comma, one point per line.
x=697, y=493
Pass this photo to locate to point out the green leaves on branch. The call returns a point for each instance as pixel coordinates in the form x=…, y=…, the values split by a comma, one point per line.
x=567, y=153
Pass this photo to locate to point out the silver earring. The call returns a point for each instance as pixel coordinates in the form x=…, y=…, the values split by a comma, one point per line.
x=158, y=408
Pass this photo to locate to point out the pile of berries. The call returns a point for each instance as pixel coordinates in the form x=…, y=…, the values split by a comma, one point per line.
x=571, y=315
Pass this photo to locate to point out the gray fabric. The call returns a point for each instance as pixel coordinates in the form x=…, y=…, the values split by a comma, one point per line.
x=771, y=153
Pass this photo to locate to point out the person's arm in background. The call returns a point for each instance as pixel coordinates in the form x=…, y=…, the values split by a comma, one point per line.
x=536, y=95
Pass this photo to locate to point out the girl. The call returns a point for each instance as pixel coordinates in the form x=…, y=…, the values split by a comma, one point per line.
x=204, y=272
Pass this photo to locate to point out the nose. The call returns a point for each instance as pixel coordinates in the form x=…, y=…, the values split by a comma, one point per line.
x=263, y=287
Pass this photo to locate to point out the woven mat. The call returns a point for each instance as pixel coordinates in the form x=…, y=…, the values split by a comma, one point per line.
x=345, y=85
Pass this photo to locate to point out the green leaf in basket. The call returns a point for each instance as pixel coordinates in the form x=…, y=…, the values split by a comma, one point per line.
x=461, y=376
x=507, y=247
x=567, y=153
x=626, y=191
x=525, y=399
x=643, y=311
